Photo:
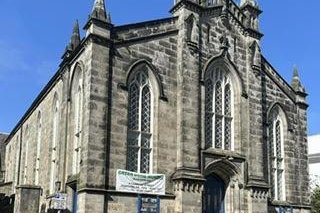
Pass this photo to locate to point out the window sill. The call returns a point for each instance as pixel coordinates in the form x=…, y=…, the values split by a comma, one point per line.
x=279, y=202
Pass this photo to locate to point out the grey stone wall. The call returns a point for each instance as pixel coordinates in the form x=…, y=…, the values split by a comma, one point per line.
x=178, y=51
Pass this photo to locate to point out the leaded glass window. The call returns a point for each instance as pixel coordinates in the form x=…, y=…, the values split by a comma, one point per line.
x=139, y=142
x=218, y=110
x=276, y=159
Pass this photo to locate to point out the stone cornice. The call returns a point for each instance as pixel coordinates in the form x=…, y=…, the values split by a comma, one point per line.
x=6, y=184
x=98, y=23
x=28, y=187
x=148, y=37
x=188, y=179
x=144, y=24
x=289, y=205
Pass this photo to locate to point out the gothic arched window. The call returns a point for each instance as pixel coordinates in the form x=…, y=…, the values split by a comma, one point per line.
x=26, y=139
x=139, y=142
x=77, y=97
x=39, y=132
x=78, y=101
x=276, y=152
x=218, y=110
x=54, y=149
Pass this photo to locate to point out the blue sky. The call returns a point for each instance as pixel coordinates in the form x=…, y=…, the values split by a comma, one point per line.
x=34, y=34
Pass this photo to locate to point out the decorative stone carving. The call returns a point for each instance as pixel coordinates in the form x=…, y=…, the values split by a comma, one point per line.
x=188, y=185
x=255, y=57
x=224, y=43
x=259, y=193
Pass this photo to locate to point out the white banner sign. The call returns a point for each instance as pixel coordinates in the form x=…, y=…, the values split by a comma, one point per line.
x=59, y=201
x=140, y=183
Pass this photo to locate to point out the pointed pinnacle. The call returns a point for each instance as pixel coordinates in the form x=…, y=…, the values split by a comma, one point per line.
x=296, y=83
x=249, y=2
x=99, y=10
x=75, y=38
x=295, y=72
x=109, y=18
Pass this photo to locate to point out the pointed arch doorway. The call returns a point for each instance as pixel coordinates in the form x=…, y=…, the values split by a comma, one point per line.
x=214, y=195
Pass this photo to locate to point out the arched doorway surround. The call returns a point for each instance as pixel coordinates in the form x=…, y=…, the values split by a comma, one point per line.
x=222, y=188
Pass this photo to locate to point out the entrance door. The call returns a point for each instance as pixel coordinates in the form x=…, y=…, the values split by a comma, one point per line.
x=214, y=195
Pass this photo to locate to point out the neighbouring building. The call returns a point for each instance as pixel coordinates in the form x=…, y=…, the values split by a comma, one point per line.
x=314, y=160
x=190, y=96
x=3, y=137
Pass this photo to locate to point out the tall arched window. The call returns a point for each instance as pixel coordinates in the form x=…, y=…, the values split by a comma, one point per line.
x=76, y=94
x=16, y=162
x=276, y=153
x=25, y=173
x=139, y=142
x=78, y=101
x=54, y=154
x=39, y=132
x=8, y=162
x=218, y=110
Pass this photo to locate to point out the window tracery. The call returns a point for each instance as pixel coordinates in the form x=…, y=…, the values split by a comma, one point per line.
x=276, y=153
x=218, y=110
x=139, y=143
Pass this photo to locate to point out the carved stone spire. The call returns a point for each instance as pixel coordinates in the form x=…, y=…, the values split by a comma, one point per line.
x=99, y=22
x=255, y=53
x=99, y=11
x=74, y=41
x=75, y=38
x=296, y=83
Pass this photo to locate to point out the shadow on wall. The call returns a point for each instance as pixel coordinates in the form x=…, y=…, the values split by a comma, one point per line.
x=6, y=203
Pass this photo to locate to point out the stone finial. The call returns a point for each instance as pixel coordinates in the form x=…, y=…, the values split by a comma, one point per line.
x=75, y=38
x=224, y=42
x=255, y=55
x=296, y=83
x=74, y=41
x=253, y=3
x=99, y=11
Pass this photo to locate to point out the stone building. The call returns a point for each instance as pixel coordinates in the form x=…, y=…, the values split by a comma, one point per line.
x=3, y=137
x=190, y=96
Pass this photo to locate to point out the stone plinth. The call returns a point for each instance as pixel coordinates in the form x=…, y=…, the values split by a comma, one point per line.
x=27, y=199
